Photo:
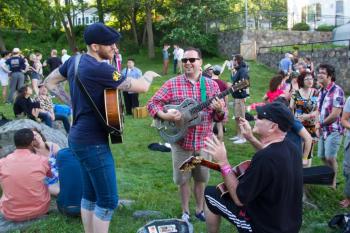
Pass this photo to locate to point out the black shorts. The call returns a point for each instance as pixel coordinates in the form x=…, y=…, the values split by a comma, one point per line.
x=224, y=206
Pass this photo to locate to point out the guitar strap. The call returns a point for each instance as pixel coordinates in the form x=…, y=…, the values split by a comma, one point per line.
x=98, y=114
x=203, y=89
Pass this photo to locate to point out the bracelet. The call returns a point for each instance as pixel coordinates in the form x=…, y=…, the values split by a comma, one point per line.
x=225, y=170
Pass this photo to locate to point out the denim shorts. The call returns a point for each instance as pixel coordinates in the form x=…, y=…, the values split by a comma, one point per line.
x=99, y=179
x=328, y=148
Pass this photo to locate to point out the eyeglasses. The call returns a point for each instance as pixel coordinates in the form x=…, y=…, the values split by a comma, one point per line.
x=192, y=60
x=308, y=79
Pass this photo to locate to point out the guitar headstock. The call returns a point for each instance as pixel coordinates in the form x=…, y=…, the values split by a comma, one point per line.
x=190, y=163
x=240, y=85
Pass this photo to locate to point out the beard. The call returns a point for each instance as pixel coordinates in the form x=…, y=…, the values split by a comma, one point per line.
x=104, y=54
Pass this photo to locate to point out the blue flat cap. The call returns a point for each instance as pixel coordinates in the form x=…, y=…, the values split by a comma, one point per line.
x=98, y=33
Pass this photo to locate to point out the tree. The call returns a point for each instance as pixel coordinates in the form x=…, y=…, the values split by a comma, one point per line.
x=185, y=22
x=100, y=11
x=62, y=13
x=23, y=15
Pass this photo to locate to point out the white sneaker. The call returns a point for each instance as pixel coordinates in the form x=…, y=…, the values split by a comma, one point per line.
x=185, y=216
x=240, y=141
x=235, y=138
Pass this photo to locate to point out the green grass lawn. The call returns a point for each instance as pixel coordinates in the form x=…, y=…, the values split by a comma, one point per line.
x=146, y=176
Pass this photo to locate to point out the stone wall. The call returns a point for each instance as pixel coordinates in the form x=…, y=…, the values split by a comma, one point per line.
x=229, y=42
x=338, y=57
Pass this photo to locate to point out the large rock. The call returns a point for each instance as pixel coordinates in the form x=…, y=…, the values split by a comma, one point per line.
x=7, y=131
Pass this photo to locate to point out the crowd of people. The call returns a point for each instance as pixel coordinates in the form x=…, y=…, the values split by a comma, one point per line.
x=303, y=106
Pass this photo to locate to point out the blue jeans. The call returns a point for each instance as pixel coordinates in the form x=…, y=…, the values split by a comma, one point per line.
x=65, y=121
x=99, y=179
x=45, y=117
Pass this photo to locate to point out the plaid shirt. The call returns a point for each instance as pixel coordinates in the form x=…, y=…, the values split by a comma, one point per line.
x=174, y=92
x=333, y=97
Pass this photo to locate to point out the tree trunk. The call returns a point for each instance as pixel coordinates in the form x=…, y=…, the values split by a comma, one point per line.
x=2, y=44
x=100, y=11
x=68, y=29
x=150, y=40
x=144, y=35
x=133, y=25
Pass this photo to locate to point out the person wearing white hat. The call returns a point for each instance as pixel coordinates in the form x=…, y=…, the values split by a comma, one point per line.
x=17, y=67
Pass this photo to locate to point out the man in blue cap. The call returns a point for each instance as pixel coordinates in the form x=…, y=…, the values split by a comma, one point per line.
x=268, y=197
x=88, y=138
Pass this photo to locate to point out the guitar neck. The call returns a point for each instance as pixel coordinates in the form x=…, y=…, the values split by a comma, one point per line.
x=206, y=104
x=211, y=165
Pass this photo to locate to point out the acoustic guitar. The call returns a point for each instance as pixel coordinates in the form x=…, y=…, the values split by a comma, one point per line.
x=190, y=114
x=192, y=162
x=317, y=175
x=114, y=114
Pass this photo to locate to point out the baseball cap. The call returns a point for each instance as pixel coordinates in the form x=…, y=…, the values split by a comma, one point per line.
x=278, y=113
x=16, y=50
x=98, y=33
x=207, y=66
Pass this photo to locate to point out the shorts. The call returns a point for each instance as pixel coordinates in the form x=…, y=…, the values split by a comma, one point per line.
x=328, y=148
x=239, y=107
x=225, y=207
x=4, y=80
x=199, y=174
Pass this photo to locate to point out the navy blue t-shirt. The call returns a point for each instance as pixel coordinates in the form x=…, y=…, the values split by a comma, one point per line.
x=96, y=76
x=16, y=64
x=293, y=134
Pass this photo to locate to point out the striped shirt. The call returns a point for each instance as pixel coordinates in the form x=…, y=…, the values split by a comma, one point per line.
x=333, y=97
x=174, y=92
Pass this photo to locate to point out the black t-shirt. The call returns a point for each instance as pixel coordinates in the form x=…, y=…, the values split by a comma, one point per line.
x=25, y=105
x=53, y=63
x=271, y=189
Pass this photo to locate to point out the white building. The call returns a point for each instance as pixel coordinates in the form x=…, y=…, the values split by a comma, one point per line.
x=318, y=12
x=87, y=16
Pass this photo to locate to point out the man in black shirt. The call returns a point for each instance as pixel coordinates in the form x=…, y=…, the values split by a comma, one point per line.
x=53, y=62
x=268, y=197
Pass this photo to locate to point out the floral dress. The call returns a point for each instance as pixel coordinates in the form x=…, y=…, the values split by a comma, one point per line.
x=305, y=106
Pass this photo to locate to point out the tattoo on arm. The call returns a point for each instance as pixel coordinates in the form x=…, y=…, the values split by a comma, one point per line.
x=54, y=82
x=126, y=85
x=62, y=94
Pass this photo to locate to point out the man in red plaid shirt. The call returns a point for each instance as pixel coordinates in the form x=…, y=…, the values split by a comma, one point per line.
x=174, y=92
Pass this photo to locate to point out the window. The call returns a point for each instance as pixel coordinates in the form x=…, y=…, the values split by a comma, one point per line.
x=79, y=21
x=339, y=7
x=86, y=20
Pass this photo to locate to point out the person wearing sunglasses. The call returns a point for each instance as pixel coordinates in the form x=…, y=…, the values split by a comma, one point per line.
x=268, y=197
x=192, y=84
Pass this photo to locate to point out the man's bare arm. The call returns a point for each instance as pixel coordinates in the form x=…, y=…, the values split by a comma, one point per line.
x=54, y=82
x=138, y=85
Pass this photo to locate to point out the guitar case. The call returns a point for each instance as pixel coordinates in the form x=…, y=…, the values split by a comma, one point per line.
x=321, y=175
x=167, y=226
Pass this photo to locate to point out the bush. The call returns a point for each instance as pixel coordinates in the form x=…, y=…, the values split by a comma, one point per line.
x=325, y=28
x=301, y=27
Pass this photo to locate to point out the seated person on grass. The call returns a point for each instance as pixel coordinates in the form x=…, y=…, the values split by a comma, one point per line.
x=25, y=105
x=46, y=104
x=22, y=174
x=48, y=150
x=71, y=183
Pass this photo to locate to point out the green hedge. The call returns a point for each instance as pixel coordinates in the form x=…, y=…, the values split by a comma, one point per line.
x=325, y=28
x=301, y=27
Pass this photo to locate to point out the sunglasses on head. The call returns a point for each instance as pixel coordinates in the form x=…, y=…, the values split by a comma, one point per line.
x=192, y=60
